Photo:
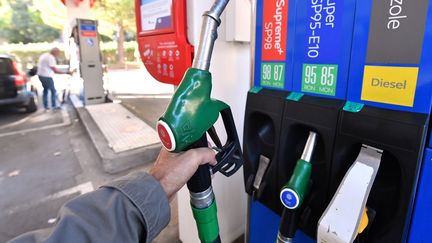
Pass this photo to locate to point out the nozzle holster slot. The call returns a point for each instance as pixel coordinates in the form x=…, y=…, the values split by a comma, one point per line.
x=319, y=115
x=262, y=127
x=402, y=136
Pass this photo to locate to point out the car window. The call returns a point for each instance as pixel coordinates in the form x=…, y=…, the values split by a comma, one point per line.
x=5, y=66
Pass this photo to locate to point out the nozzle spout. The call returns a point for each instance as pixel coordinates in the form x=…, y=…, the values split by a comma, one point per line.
x=309, y=147
x=211, y=21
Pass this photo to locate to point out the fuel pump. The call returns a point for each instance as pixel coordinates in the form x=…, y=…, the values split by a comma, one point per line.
x=293, y=193
x=190, y=114
x=86, y=56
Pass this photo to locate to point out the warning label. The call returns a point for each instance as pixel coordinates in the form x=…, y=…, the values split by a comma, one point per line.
x=275, y=19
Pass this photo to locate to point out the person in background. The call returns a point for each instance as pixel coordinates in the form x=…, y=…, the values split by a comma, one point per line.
x=45, y=71
x=131, y=209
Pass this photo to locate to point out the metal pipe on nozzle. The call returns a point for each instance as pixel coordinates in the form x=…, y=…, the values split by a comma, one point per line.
x=309, y=147
x=217, y=8
x=211, y=22
x=283, y=239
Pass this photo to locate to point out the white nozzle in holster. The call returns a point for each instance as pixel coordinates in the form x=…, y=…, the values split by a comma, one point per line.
x=340, y=221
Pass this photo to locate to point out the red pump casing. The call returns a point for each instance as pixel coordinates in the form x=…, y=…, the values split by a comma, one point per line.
x=164, y=48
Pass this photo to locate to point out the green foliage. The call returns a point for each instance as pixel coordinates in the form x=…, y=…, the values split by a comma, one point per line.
x=109, y=51
x=28, y=54
x=120, y=15
x=116, y=12
x=23, y=23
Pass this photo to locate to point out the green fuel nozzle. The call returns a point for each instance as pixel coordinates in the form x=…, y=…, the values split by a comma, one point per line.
x=191, y=111
x=293, y=193
x=190, y=115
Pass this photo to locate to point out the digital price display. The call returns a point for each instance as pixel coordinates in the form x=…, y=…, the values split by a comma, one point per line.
x=156, y=15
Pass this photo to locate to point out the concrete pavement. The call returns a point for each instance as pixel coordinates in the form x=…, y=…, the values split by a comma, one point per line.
x=41, y=169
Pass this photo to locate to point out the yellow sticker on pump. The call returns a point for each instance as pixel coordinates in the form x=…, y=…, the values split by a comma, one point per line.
x=390, y=85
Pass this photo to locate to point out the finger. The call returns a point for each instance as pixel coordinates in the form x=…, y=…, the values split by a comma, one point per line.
x=205, y=155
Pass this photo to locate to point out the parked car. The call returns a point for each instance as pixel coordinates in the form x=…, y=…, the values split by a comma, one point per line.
x=15, y=90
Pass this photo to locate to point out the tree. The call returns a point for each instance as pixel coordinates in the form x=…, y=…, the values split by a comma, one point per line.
x=119, y=13
x=24, y=24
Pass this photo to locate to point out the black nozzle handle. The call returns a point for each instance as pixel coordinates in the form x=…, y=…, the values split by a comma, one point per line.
x=201, y=180
x=230, y=157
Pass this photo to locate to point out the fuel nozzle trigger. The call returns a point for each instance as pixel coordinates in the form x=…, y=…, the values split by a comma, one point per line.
x=229, y=157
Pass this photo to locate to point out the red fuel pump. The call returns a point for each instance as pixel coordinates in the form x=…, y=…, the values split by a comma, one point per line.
x=162, y=38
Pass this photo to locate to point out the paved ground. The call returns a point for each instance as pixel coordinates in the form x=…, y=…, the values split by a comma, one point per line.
x=149, y=109
x=140, y=93
x=44, y=167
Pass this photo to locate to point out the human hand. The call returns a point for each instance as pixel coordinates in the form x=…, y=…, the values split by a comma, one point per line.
x=173, y=170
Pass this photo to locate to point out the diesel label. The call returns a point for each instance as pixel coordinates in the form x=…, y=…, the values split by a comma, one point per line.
x=379, y=82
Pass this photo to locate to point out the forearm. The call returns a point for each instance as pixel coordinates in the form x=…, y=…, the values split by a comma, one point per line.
x=57, y=71
x=131, y=209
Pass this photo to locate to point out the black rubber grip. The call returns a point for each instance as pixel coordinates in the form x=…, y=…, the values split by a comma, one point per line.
x=201, y=180
x=218, y=240
x=288, y=223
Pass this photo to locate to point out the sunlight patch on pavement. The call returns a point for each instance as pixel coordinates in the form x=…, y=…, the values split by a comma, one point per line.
x=81, y=189
x=16, y=123
x=14, y=173
x=52, y=220
x=66, y=122
x=42, y=117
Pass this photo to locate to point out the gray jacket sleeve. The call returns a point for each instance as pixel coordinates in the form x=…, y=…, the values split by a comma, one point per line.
x=131, y=209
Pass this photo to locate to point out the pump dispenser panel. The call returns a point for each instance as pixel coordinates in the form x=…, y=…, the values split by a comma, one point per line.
x=390, y=60
x=358, y=74
x=421, y=220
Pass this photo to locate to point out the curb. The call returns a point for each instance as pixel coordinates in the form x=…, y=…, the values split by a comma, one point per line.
x=113, y=162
